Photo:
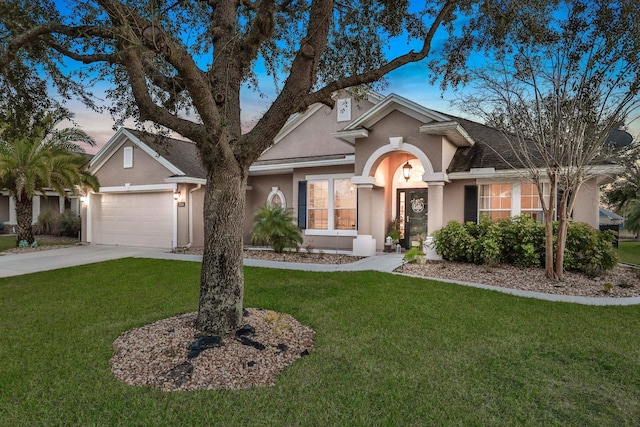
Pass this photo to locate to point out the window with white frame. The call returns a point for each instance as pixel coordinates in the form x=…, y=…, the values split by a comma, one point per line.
x=128, y=157
x=530, y=200
x=276, y=197
x=495, y=200
x=331, y=205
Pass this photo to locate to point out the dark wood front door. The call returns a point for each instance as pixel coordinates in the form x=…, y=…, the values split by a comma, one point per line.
x=412, y=215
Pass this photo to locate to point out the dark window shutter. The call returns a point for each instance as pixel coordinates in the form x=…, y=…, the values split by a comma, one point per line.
x=302, y=204
x=470, y=203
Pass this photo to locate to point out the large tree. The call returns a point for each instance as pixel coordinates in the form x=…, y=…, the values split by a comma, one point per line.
x=168, y=59
x=558, y=98
x=38, y=157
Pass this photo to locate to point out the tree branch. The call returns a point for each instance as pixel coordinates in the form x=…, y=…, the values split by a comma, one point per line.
x=324, y=94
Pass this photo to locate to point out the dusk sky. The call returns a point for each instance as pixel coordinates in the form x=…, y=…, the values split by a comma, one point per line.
x=410, y=81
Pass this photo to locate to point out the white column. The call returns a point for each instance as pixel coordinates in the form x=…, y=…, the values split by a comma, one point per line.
x=435, y=206
x=61, y=203
x=88, y=202
x=516, y=193
x=364, y=244
x=13, y=216
x=36, y=209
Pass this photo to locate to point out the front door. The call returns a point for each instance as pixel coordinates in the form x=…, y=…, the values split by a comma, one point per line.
x=412, y=215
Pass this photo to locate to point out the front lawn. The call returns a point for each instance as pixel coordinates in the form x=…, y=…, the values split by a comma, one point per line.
x=390, y=350
x=629, y=252
x=9, y=242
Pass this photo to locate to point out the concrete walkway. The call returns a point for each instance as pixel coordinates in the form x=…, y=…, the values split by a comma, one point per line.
x=33, y=262
x=382, y=262
x=17, y=264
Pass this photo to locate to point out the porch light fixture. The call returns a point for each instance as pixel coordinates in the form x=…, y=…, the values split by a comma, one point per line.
x=406, y=171
x=176, y=195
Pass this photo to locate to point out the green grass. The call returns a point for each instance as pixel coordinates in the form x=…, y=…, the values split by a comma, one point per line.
x=390, y=350
x=9, y=242
x=629, y=252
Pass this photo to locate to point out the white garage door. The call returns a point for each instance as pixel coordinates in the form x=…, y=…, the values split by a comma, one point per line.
x=140, y=219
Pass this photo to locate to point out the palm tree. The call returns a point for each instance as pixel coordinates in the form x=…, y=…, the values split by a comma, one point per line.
x=43, y=157
x=273, y=225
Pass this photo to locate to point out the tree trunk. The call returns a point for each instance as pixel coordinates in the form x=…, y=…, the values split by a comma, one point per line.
x=563, y=223
x=548, y=245
x=548, y=225
x=24, y=213
x=222, y=277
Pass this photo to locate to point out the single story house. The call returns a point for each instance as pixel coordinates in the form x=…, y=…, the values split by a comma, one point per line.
x=49, y=200
x=347, y=173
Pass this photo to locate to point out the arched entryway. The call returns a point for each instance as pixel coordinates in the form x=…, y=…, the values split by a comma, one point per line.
x=384, y=196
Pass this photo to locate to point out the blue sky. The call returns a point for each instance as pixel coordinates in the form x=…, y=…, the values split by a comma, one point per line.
x=410, y=81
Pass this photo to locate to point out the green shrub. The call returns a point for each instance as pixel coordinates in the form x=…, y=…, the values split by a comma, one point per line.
x=455, y=242
x=521, y=241
x=588, y=250
x=69, y=224
x=273, y=225
x=46, y=222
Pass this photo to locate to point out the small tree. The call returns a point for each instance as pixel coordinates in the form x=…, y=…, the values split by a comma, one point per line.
x=39, y=158
x=556, y=100
x=273, y=225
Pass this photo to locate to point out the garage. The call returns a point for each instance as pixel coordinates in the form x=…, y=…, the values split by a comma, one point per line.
x=133, y=219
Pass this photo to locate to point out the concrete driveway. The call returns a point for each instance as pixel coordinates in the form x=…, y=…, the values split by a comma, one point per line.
x=16, y=264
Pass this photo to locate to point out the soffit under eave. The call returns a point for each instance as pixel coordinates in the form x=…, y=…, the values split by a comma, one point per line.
x=602, y=173
x=453, y=131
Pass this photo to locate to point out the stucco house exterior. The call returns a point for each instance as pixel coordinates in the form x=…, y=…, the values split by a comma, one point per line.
x=341, y=172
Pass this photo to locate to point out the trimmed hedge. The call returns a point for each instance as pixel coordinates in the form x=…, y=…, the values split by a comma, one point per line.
x=520, y=241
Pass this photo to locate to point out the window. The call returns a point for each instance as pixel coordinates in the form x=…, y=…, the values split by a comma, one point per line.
x=276, y=197
x=530, y=201
x=343, y=107
x=318, y=205
x=495, y=200
x=344, y=205
x=128, y=157
x=331, y=206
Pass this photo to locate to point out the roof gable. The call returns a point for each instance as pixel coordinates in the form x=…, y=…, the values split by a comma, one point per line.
x=391, y=103
x=179, y=157
x=310, y=134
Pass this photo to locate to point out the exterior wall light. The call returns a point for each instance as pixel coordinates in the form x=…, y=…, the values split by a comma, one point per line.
x=406, y=171
x=176, y=195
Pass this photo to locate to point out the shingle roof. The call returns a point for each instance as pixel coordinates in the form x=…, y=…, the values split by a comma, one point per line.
x=183, y=154
x=492, y=149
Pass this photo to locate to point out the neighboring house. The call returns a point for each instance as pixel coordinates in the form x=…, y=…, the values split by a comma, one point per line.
x=610, y=218
x=49, y=200
x=340, y=171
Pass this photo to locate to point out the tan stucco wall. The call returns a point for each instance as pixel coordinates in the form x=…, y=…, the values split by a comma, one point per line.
x=454, y=201
x=197, y=207
x=314, y=136
x=183, y=215
x=145, y=170
x=587, y=203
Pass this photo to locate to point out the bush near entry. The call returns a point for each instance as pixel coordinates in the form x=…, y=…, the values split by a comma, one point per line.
x=520, y=241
